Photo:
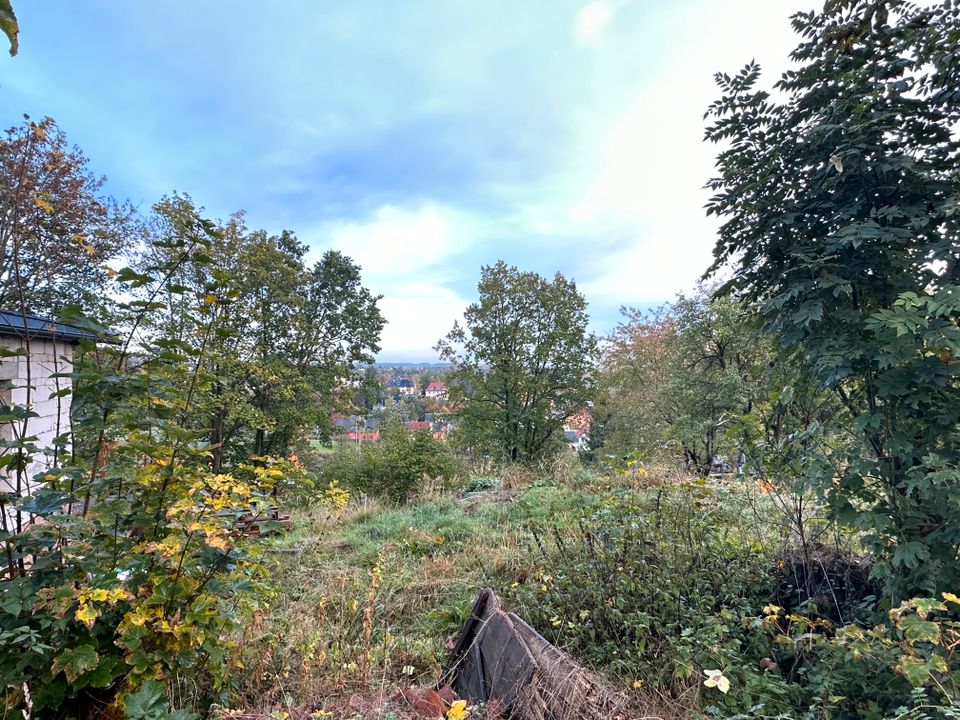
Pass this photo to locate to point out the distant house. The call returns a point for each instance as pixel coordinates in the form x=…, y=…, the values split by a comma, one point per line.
x=436, y=390
x=36, y=378
x=415, y=426
x=576, y=440
x=351, y=429
x=404, y=386
x=576, y=430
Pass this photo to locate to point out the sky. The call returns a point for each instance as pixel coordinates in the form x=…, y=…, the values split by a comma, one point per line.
x=423, y=139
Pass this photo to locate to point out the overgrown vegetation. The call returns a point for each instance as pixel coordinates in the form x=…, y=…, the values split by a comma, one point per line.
x=396, y=467
x=764, y=523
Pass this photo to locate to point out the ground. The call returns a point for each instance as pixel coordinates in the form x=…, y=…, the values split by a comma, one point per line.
x=370, y=597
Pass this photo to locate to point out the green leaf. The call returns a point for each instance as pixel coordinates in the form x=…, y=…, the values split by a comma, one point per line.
x=109, y=669
x=9, y=25
x=44, y=502
x=916, y=629
x=147, y=703
x=76, y=661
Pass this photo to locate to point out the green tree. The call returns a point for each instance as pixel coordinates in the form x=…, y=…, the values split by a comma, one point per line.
x=839, y=202
x=287, y=336
x=522, y=362
x=674, y=382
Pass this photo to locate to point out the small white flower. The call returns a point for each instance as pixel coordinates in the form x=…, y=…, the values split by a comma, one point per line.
x=716, y=678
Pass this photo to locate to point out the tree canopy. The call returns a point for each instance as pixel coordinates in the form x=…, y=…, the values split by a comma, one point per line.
x=522, y=362
x=839, y=200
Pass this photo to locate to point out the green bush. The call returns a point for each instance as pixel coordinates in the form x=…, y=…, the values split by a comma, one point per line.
x=482, y=483
x=393, y=468
x=671, y=589
x=650, y=587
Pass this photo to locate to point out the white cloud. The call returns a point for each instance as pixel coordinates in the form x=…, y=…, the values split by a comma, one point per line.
x=417, y=317
x=403, y=255
x=396, y=241
x=591, y=21
x=653, y=162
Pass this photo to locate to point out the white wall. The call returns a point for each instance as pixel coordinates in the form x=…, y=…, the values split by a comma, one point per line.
x=28, y=381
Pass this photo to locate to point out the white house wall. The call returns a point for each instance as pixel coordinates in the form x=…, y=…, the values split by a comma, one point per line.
x=30, y=382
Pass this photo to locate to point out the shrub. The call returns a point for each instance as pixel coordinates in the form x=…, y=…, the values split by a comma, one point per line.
x=482, y=483
x=651, y=587
x=395, y=467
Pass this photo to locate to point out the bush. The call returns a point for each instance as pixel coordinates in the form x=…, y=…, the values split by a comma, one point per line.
x=482, y=483
x=672, y=590
x=395, y=467
x=651, y=587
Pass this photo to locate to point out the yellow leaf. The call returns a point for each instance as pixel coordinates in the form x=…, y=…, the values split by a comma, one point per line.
x=458, y=711
x=43, y=205
x=87, y=614
x=716, y=678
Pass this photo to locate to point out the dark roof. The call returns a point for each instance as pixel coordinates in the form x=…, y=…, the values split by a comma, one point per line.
x=14, y=324
x=350, y=423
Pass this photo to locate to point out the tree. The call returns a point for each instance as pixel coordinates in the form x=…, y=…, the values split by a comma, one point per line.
x=675, y=381
x=839, y=203
x=57, y=232
x=521, y=362
x=287, y=335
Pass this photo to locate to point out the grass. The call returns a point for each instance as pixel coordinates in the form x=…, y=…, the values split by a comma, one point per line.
x=364, y=593
x=368, y=598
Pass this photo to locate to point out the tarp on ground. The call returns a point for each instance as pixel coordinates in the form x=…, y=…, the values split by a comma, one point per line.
x=499, y=657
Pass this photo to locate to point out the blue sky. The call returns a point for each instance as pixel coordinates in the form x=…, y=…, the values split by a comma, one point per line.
x=424, y=139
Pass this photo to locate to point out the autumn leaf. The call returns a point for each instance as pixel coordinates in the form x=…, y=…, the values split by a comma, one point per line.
x=76, y=661
x=458, y=711
x=8, y=23
x=87, y=614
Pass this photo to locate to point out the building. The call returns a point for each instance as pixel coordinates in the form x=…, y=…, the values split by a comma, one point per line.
x=404, y=386
x=436, y=390
x=355, y=429
x=35, y=364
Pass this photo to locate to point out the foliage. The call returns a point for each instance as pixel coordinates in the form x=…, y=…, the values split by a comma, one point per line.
x=481, y=483
x=860, y=671
x=57, y=232
x=675, y=383
x=394, y=467
x=125, y=563
x=522, y=362
x=649, y=587
x=670, y=589
x=9, y=26
x=131, y=569
x=839, y=205
x=287, y=334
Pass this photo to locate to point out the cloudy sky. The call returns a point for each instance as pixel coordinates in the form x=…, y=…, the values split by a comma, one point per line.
x=424, y=139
